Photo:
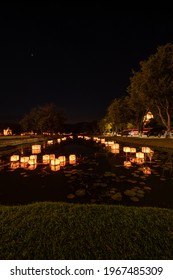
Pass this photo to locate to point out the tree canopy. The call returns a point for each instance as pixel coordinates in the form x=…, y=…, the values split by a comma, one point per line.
x=45, y=118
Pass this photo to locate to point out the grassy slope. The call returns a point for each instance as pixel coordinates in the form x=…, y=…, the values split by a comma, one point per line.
x=67, y=231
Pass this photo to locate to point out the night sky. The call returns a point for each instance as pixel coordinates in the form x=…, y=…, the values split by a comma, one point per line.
x=79, y=58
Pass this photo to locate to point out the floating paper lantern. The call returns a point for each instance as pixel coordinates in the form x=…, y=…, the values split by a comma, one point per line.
x=46, y=157
x=33, y=157
x=115, y=146
x=62, y=158
x=146, y=149
x=126, y=149
x=55, y=167
x=50, y=142
x=14, y=158
x=59, y=140
x=24, y=159
x=55, y=161
x=72, y=159
x=132, y=150
x=115, y=151
x=36, y=147
x=103, y=140
x=32, y=161
x=64, y=138
x=140, y=155
x=110, y=143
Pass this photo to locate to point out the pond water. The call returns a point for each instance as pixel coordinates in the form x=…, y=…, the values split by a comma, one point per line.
x=99, y=175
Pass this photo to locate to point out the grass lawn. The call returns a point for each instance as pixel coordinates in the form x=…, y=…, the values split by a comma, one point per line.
x=50, y=230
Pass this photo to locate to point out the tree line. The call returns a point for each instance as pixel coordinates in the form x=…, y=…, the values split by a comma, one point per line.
x=150, y=89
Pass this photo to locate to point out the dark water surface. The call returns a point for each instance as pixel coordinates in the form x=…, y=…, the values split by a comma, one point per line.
x=98, y=176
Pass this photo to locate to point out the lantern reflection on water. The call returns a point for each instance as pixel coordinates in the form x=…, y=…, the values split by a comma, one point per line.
x=127, y=163
x=147, y=170
x=55, y=167
x=14, y=165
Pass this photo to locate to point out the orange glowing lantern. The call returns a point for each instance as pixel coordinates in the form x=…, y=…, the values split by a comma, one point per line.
x=115, y=146
x=50, y=142
x=59, y=140
x=33, y=157
x=45, y=158
x=140, y=155
x=103, y=140
x=72, y=159
x=62, y=159
x=32, y=161
x=55, y=167
x=14, y=158
x=126, y=149
x=14, y=165
x=55, y=161
x=24, y=159
x=132, y=150
x=115, y=151
x=36, y=147
x=146, y=150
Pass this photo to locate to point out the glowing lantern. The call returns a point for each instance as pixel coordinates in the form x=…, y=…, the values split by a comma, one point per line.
x=45, y=157
x=32, y=161
x=36, y=147
x=115, y=146
x=33, y=157
x=59, y=140
x=110, y=143
x=50, y=142
x=14, y=158
x=55, y=167
x=72, y=159
x=32, y=166
x=140, y=155
x=103, y=140
x=126, y=149
x=146, y=149
x=139, y=160
x=132, y=150
x=62, y=160
x=115, y=151
x=127, y=163
x=55, y=161
x=24, y=159
x=64, y=138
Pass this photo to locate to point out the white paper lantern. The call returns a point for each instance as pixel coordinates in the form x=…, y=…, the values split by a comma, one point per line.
x=140, y=155
x=132, y=150
x=24, y=159
x=14, y=158
x=146, y=149
x=126, y=149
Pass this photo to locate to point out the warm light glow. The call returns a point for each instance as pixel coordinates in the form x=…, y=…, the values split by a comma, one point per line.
x=36, y=147
x=32, y=166
x=55, y=167
x=52, y=156
x=146, y=149
x=126, y=149
x=110, y=143
x=115, y=151
x=24, y=159
x=103, y=140
x=32, y=161
x=72, y=159
x=14, y=165
x=115, y=146
x=59, y=140
x=62, y=158
x=50, y=142
x=147, y=170
x=127, y=163
x=139, y=160
x=14, y=158
x=132, y=150
x=46, y=157
x=55, y=161
x=33, y=157
x=140, y=155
